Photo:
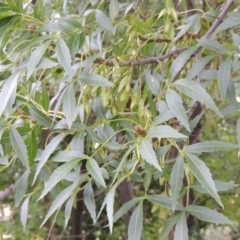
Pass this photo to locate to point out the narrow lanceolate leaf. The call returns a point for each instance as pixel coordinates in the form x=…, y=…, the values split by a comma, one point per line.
x=231, y=21
x=203, y=175
x=89, y=200
x=164, y=132
x=176, y=180
x=231, y=94
x=180, y=62
x=58, y=174
x=104, y=21
x=124, y=208
x=152, y=82
x=195, y=91
x=50, y=148
x=199, y=66
x=148, y=154
x=24, y=212
x=63, y=56
x=213, y=45
x=136, y=223
x=68, y=209
x=175, y=104
x=220, y=186
x=8, y=90
x=95, y=171
x=209, y=146
x=35, y=58
x=208, y=215
x=163, y=117
x=75, y=42
x=181, y=229
x=15, y=5
x=19, y=146
x=38, y=10
x=40, y=116
x=110, y=206
x=21, y=188
x=168, y=226
x=32, y=148
x=69, y=105
x=60, y=199
x=238, y=132
x=163, y=201
x=95, y=80
x=113, y=9
x=224, y=74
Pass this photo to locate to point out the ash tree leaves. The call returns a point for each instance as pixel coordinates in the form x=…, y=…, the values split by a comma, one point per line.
x=104, y=21
x=95, y=80
x=203, y=175
x=224, y=74
x=175, y=104
x=148, y=154
x=195, y=91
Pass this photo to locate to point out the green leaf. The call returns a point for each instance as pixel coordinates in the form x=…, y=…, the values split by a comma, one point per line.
x=38, y=10
x=238, y=132
x=77, y=143
x=110, y=206
x=24, y=212
x=162, y=151
x=113, y=9
x=163, y=117
x=89, y=200
x=75, y=42
x=148, y=154
x=66, y=156
x=126, y=207
x=176, y=180
x=224, y=74
x=46, y=63
x=163, y=201
x=209, y=146
x=21, y=188
x=58, y=175
x=195, y=91
x=232, y=21
x=40, y=116
x=180, y=62
x=63, y=56
x=15, y=5
x=213, y=46
x=231, y=93
x=93, y=136
x=152, y=82
x=175, y=104
x=203, y=175
x=47, y=153
x=69, y=105
x=198, y=66
x=35, y=58
x=208, y=215
x=95, y=80
x=169, y=225
x=8, y=91
x=19, y=146
x=181, y=229
x=60, y=199
x=236, y=39
x=68, y=209
x=220, y=186
x=95, y=171
x=147, y=177
x=164, y=132
x=136, y=223
x=104, y=21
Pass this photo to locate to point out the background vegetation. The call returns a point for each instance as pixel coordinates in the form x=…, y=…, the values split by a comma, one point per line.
x=119, y=119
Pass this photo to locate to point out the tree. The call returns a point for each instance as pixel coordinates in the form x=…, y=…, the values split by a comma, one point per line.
x=99, y=98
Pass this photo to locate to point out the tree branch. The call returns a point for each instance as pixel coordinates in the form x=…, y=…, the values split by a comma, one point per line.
x=146, y=60
x=219, y=19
